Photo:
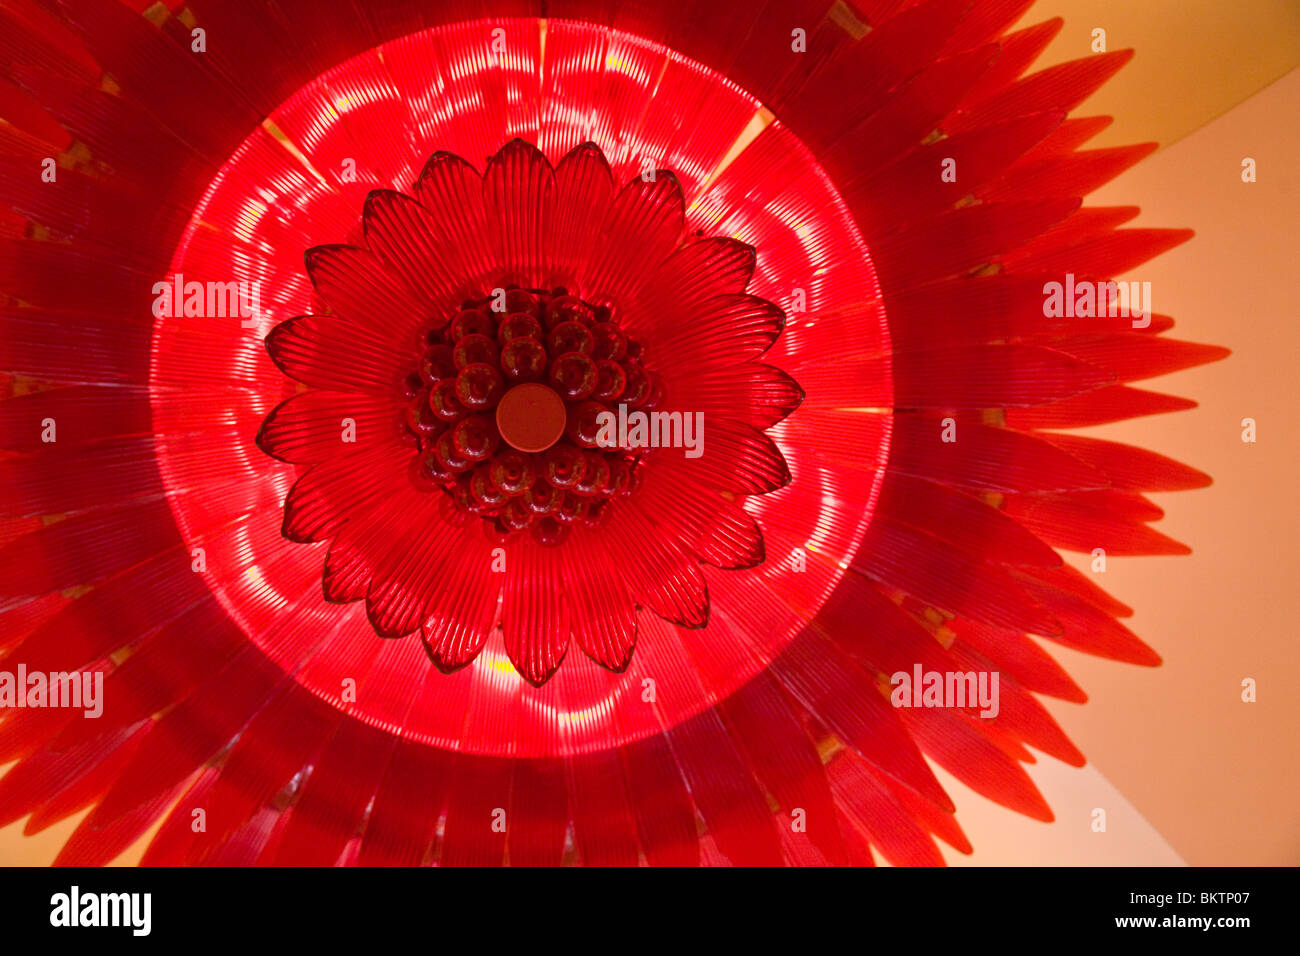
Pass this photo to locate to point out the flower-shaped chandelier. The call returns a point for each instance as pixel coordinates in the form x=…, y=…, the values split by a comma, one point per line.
x=709, y=338
x=501, y=323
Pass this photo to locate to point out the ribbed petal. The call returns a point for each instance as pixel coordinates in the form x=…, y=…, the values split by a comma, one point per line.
x=518, y=188
x=534, y=614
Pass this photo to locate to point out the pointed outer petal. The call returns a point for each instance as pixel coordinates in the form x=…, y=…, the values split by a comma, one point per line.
x=534, y=613
x=1133, y=356
x=752, y=393
x=960, y=240
x=734, y=808
x=330, y=352
x=1120, y=504
x=855, y=82
x=246, y=845
x=600, y=608
x=408, y=803
x=899, y=557
x=844, y=698
x=912, y=188
x=82, y=413
x=149, y=67
x=887, y=640
x=659, y=575
x=1129, y=468
x=984, y=458
x=332, y=803
x=1075, y=175
x=96, y=844
x=976, y=761
x=73, y=793
x=1089, y=629
x=986, y=309
x=190, y=734
x=268, y=754
x=1069, y=136
x=962, y=521
x=539, y=814
x=940, y=822
x=986, y=21
x=1107, y=255
x=26, y=731
x=584, y=190
x=451, y=191
x=480, y=789
x=1077, y=584
x=604, y=830
x=1018, y=657
x=719, y=532
x=1085, y=223
x=17, y=622
x=913, y=111
x=785, y=759
x=989, y=377
x=311, y=426
x=1020, y=715
x=112, y=615
x=665, y=816
x=176, y=834
x=641, y=226
x=1112, y=404
x=874, y=809
x=84, y=549
x=93, y=349
x=1063, y=86
x=1075, y=525
x=163, y=668
x=740, y=458
x=518, y=191
x=336, y=489
x=731, y=327
x=858, y=843
x=408, y=240
x=38, y=783
x=1019, y=51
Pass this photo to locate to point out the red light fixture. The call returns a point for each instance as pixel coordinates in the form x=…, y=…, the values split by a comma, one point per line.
x=732, y=211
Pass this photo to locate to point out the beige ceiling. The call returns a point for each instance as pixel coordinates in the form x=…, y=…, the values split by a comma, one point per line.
x=1196, y=59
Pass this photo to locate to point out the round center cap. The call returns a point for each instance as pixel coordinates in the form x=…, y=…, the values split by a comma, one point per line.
x=531, y=417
